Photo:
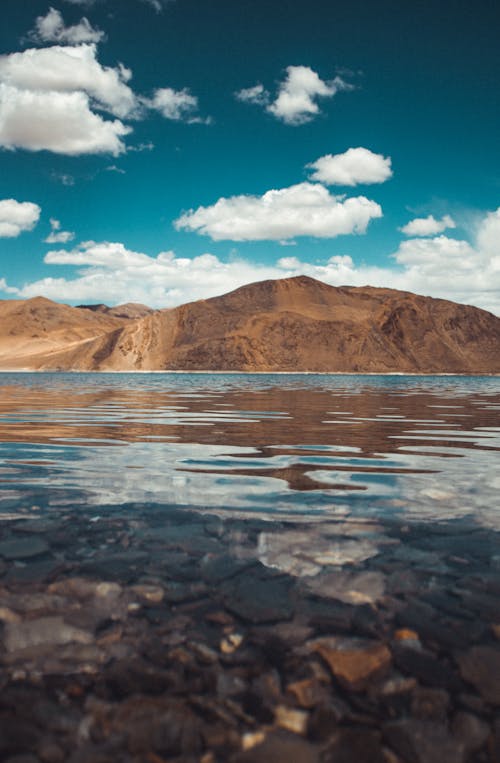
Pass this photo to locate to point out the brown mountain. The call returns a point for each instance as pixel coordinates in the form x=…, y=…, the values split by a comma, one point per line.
x=293, y=324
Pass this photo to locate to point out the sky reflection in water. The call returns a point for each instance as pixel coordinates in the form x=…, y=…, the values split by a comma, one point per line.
x=300, y=445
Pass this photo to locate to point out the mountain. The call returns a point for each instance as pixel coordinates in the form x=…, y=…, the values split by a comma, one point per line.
x=293, y=324
x=34, y=332
x=129, y=310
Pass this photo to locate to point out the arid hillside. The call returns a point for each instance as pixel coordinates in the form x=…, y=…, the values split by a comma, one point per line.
x=295, y=324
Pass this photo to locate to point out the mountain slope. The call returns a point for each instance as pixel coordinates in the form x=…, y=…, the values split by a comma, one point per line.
x=34, y=331
x=295, y=324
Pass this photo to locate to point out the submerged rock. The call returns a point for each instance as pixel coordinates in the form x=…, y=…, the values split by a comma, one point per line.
x=480, y=666
x=354, y=665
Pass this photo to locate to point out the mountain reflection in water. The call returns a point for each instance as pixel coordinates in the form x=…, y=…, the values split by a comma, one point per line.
x=304, y=446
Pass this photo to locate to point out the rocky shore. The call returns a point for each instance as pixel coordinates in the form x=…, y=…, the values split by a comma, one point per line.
x=157, y=634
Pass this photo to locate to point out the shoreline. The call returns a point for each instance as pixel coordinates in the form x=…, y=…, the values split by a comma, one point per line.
x=257, y=373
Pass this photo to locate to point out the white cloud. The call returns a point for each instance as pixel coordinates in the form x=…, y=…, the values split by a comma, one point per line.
x=256, y=94
x=17, y=216
x=48, y=97
x=178, y=105
x=296, y=100
x=158, y=5
x=109, y=272
x=440, y=267
x=305, y=209
x=51, y=28
x=354, y=166
x=69, y=69
x=59, y=122
x=428, y=226
x=58, y=236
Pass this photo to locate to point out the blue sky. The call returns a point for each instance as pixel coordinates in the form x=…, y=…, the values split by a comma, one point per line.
x=161, y=151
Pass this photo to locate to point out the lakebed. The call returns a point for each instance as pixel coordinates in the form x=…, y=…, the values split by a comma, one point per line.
x=249, y=567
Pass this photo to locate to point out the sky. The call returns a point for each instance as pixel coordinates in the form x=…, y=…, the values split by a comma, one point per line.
x=162, y=151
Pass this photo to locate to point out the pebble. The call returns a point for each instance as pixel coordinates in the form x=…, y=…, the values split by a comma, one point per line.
x=355, y=666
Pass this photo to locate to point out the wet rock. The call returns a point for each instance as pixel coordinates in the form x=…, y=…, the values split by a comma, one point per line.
x=423, y=742
x=123, y=567
x=279, y=747
x=23, y=548
x=495, y=743
x=36, y=571
x=308, y=693
x=257, y=600
x=325, y=718
x=16, y=736
x=357, y=744
x=360, y=588
x=426, y=667
x=49, y=751
x=480, y=666
x=51, y=631
x=354, y=664
x=430, y=704
x=124, y=678
x=149, y=594
x=471, y=731
x=291, y=719
x=216, y=569
x=329, y=617
x=177, y=593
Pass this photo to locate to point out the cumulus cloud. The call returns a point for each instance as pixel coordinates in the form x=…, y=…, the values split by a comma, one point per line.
x=178, y=105
x=58, y=236
x=296, y=101
x=59, y=122
x=51, y=28
x=69, y=69
x=48, y=99
x=111, y=273
x=306, y=209
x=17, y=216
x=428, y=226
x=354, y=166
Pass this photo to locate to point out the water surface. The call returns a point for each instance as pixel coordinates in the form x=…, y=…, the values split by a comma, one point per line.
x=307, y=446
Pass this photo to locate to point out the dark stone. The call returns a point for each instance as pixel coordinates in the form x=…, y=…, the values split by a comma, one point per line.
x=23, y=548
x=480, y=666
x=329, y=617
x=430, y=704
x=16, y=736
x=122, y=567
x=495, y=743
x=423, y=742
x=325, y=718
x=355, y=744
x=223, y=567
x=43, y=571
x=426, y=668
x=127, y=677
x=173, y=731
x=471, y=731
x=257, y=600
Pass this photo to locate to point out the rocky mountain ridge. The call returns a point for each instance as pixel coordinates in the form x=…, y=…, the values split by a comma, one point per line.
x=292, y=324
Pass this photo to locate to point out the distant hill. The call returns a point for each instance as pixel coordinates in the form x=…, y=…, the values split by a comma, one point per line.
x=130, y=310
x=292, y=324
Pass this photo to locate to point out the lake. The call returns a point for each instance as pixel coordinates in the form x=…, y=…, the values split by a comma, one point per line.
x=301, y=445
x=220, y=538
